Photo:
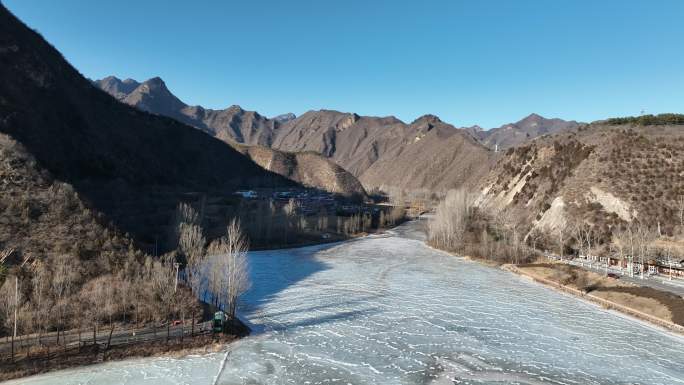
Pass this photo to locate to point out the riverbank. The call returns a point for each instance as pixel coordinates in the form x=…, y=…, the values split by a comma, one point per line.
x=333, y=238
x=91, y=354
x=657, y=307
x=95, y=354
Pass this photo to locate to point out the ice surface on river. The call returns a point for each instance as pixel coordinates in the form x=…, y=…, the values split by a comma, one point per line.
x=389, y=310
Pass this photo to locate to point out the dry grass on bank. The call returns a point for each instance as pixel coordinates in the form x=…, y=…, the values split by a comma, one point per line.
x=571, y=276
x=643, y=304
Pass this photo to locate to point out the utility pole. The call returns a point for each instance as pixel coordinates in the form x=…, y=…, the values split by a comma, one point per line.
x=175, y=286
x=631, y=255
x=16, y=306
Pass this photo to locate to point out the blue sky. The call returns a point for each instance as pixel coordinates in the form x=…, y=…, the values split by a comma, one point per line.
x=469, y=62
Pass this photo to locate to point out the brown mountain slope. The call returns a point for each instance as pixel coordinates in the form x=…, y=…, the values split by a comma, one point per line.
x=113, y=157
x=352, y=141
x=308, y=168
x=237, y=127
x=606, y=174
x=386, y=152
x=437, y=157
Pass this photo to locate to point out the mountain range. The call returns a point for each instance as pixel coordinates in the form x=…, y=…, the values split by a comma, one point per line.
x=547, y=170
x=382, y=152
x=515, y=134
x=236, y=126
x=75, y=158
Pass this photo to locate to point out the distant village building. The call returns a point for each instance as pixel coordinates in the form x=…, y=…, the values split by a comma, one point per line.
x=247, y=194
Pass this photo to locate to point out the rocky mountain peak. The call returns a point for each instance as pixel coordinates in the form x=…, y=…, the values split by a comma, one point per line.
x=117, y=88
x=531, y=119
x=236, y=109
x=156, y=83
x=427, y=118
x=284, y=118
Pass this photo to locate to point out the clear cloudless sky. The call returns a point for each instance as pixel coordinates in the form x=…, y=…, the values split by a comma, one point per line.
x=471, y=62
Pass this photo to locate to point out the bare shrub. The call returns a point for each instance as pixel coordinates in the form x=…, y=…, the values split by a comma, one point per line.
x=447, y=228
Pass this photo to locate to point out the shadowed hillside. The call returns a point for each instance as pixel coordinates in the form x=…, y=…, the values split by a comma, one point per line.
x=118, y=159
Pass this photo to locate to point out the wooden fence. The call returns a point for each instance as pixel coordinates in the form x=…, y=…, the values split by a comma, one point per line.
x=51, y=345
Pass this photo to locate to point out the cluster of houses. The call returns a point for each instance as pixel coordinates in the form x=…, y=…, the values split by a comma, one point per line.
x=309, y=202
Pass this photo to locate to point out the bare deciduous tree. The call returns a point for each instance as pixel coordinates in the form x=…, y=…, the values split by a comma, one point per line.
x=163, y=280
x=64, y=274
x=584, y=236
x=643, y=239
x=229, y=258
x=191, y=247
x=561, y=230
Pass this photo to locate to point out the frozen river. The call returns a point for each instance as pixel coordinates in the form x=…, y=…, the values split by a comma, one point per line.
x=386, y=309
